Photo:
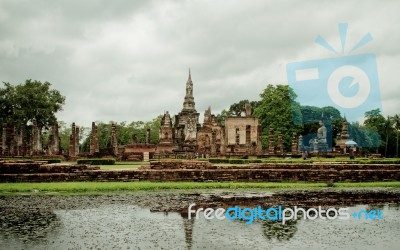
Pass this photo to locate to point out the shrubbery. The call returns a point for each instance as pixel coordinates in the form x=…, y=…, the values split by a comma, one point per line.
x=53, y=160
x=234, y=161
x=105, y=161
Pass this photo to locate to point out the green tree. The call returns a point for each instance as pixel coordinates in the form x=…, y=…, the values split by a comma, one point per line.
x=385, y=127
x=221, y=117
x=32, y=102
x=374, y=119
x=236, y=109
x=124, y=133
x=278, y=109
x=64, y=131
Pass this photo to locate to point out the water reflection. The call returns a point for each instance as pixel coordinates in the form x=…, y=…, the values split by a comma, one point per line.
x=276, y=230
x=28, y=225
x=188, y=225
x=119, y=226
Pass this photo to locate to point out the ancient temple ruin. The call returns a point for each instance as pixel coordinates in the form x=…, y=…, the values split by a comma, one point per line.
x=186, y=122
x=343, y=138
x=238, y=136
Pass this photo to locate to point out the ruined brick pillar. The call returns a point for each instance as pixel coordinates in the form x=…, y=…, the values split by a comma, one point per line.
x=54, y=140
x=20, y=142
x=4, y=139
x=36, y=144
x=300, y=147
x=259, y=143
x=294, y=144
x=13, y=142
x=271, y=142
x=114, y=143
x=148, y=136
x=94, y=140
x=74, y=141
x=223, y=144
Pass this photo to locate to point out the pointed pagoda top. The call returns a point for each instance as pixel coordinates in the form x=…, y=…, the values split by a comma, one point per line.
x=188, y=103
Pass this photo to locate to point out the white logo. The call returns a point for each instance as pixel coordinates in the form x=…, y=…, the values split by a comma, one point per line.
x=359, y=77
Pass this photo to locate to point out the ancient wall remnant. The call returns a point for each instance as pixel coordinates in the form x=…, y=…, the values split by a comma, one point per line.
x=74, y=141
x=54, y=140
x=114, y=142
x=148, y=136
x=94, y=140
x=271, y=142
x=294, y=144
x=36, y=143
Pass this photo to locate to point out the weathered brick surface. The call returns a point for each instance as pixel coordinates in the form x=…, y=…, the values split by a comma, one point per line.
x=181, y=165
x=201, y=171
x=24, y=167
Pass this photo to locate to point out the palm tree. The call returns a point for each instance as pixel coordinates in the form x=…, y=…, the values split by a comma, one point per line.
x=387, y=126
x=396, y=123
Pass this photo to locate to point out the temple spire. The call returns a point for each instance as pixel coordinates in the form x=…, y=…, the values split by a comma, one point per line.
x=188, y=103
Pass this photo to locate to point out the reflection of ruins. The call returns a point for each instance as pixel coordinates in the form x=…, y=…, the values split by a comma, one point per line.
x=28, y=225
x=276, y=230
x=188, y=226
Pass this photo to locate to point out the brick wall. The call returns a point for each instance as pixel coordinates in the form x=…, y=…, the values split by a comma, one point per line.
x=204, y=171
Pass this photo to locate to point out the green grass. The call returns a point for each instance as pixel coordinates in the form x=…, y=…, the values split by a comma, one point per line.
x=99, y=187
x=145, y=185
x=336, y=159
x=393, y=184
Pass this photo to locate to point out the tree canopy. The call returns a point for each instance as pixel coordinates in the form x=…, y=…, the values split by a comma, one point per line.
x=32, y=102
x=277, y=109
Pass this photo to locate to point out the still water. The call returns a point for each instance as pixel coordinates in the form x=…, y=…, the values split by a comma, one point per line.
x=122, y=226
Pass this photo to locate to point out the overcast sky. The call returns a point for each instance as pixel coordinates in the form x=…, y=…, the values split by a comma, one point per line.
x=129, y=60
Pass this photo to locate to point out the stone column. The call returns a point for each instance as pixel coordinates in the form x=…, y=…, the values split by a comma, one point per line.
x=294, y=144
x=114, y=143
x=300, y=146
x=18, y=142
x=148, y=136
x=36, y=145
x=94, y=140
x=4, y=139
x=13, y=142
x=74, y=141
x=271, y=142
x=54, y=140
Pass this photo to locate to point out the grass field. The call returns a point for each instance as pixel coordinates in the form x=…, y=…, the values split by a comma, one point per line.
x=98, y=187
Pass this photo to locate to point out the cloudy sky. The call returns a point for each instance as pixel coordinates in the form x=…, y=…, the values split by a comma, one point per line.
x=129, y=60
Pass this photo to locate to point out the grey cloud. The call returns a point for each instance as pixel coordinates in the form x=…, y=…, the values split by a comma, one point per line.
x=129, y=60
